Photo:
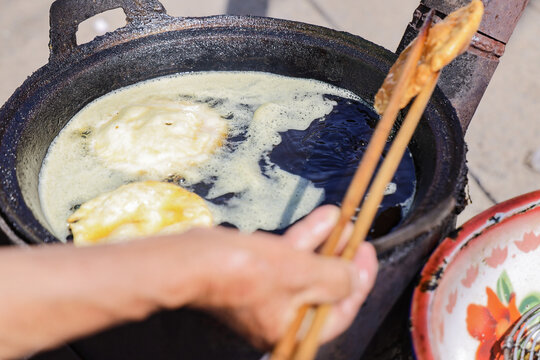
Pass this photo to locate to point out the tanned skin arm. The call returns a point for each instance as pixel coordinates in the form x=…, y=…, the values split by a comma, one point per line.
x=254, y=283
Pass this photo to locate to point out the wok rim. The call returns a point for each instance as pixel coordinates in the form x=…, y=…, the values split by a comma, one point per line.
x=12, y=218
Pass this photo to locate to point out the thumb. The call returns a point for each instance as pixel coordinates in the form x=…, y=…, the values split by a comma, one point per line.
x=310, y=232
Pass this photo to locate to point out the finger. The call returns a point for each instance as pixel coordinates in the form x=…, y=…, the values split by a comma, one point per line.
x=333, y=279
x=345, y=236
x=343, y=313
x=329, y=280
x=310, y=232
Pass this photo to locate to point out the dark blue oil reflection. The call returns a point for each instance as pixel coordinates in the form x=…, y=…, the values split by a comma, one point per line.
x=329, y=151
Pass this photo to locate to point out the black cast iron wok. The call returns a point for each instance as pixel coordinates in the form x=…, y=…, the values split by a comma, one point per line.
x=154, y=44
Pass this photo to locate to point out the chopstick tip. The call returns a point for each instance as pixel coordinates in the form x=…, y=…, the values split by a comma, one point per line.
x=427, y=21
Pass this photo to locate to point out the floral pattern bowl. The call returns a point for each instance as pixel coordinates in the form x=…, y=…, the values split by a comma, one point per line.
x=478, y=283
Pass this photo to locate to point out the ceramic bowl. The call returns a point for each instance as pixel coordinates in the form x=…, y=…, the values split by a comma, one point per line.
x=478, y=282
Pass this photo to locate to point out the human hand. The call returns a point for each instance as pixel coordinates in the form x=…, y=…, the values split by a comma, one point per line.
x=258, y=282
x=254, y=283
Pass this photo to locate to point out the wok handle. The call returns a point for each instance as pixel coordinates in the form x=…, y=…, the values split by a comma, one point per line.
x=66, y=15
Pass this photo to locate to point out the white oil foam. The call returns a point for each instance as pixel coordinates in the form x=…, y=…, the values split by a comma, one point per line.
x=256, y=106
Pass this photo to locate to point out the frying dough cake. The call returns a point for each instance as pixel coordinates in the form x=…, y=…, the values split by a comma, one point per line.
x=452, y=36
x=138, y=209
x=159, y=137
x=413, y=88
x=446, y=40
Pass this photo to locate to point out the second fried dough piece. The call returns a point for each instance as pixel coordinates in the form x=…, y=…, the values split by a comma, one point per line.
x=138, y=209
x=446, y=40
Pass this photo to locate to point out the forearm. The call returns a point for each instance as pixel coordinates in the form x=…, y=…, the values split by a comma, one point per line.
x=51, y=295
x=254, y=283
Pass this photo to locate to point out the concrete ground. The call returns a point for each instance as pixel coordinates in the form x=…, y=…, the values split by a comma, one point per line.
x=503, y=138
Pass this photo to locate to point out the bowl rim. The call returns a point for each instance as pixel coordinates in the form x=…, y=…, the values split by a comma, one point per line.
x=446, y=252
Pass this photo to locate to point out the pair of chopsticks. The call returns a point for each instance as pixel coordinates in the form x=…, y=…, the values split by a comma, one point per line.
x=288, y=348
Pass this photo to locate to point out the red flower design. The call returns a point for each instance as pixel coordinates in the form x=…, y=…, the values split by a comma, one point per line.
x=489, y=323
x=529, y=243
x=452, y=299
x=470, y=276
x=498, y=256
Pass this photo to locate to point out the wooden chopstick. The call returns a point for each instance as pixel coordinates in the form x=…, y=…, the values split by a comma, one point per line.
x=388, y=168
x=307, y=349
x=286, y=346
x=362, y=177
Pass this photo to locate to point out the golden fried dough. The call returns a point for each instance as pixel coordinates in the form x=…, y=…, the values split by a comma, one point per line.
x=138, y=209
x=159, y=137
x=446, y=40
x=416, y=82
x=452, y=36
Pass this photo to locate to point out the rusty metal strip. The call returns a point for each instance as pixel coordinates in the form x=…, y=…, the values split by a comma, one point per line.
x=500, y=16
x=465, y=80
